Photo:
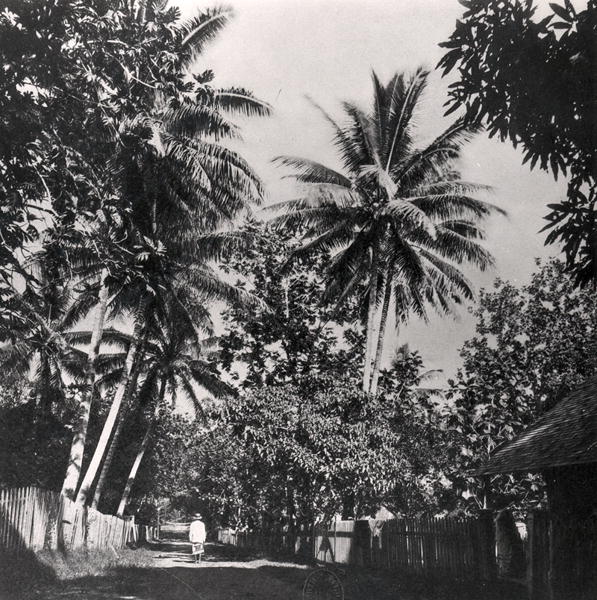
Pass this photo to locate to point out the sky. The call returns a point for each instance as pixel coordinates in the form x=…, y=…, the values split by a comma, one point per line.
x=286, y=51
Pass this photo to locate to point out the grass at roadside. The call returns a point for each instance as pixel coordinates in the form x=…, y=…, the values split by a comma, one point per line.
x=24, y=572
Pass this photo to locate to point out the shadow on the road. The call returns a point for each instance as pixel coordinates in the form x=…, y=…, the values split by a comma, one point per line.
x=188, y=582
x=228, y=573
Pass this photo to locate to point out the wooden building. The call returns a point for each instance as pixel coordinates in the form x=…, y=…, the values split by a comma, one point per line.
x=562, y=445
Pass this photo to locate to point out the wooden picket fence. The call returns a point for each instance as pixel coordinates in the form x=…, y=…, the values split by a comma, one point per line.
x=299, y=545
x=462, y=549
x=33, y=518
x=433, y=547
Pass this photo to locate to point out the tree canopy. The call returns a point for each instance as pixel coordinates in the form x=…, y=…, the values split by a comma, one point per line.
x=398, y=221
x=532, y=345
x=292, y=454
x=118, y=171
x=299, y=332
x=532, y=81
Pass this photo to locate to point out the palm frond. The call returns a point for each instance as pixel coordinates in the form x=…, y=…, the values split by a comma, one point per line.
x=207, y=379
x=446, y=147
x=314, y=220
x=456, y=247
x=198, y=31
x=449, y=206
x=407, y=215
x=15, y=358
x=331, y=240
x=403, y=101
x=214, y=246
x=310, y=171
x=242, y=102
x=195, y=119
x=452, y=275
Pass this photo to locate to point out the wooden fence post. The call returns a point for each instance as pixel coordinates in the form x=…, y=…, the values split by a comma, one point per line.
x=538, y=555
x=487, y=545
x=334, y=557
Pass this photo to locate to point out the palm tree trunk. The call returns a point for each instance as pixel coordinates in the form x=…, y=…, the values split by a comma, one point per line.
x=99, y=488
x=111, y=419
x=382, y=333
x=44, y=399
x=370, y=320
x=73, y=471
x=140, y=454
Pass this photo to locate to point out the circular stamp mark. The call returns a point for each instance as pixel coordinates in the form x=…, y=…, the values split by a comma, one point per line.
x=323, y=584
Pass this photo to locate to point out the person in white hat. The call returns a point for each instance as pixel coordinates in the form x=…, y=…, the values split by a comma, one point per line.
x=197, y=537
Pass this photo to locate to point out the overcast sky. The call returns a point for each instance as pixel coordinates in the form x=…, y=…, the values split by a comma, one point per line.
x=285, y=50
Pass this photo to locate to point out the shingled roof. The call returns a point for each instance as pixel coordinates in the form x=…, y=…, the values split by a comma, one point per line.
x=565, y=435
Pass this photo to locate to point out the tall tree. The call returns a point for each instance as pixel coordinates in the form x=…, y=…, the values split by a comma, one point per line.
x=46, y=99
x=399, y=216
x=175, y=363
x=505, y=57
x=174, y=165
x=39, y=350
x=513, y=372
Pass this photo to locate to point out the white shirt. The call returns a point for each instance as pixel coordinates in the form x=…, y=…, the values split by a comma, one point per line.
x=197, y=532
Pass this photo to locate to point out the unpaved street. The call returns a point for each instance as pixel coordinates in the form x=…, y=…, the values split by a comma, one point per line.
x=170, y=575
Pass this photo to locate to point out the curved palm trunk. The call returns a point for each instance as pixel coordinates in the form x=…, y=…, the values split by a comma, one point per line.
x=128, y=400
x=370, y=321
x=381, y=335
x=110, y=421
x=140, y=454
x=73, y=471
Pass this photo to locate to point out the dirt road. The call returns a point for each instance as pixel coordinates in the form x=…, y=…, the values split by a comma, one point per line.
x=171, y=575
x=165, y=571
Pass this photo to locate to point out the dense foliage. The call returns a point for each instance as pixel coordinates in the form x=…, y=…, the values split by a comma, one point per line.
x=117, y=137
x=120, y=200
x=533, y=81
x=532, y=345
x=289, y=454
x=298, y=333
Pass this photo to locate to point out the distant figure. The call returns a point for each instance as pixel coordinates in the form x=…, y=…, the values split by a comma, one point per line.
x=197, y=537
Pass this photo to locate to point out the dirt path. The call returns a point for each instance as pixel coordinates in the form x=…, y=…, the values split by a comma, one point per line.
x=165, y=571
x=170, y=574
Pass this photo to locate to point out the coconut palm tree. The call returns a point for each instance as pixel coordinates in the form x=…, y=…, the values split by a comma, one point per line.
x=397, y=220
x=178, y=182
x=191, y=288
x=175, y=362
x=39, y=350
x=112, y=366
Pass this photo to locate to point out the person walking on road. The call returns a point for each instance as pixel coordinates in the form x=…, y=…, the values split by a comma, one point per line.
x=197, y=537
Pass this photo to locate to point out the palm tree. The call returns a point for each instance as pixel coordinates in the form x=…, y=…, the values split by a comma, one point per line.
x=398, y=220
x=190, y=287
x=179, y=182
x=111, y=366
x=175, y=363
x=39, y=350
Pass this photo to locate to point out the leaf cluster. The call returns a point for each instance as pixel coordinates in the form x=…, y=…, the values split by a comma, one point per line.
x=299, y=332
x=533, y=344
x=533, y=82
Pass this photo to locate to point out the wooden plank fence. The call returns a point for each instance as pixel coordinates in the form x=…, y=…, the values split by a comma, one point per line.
x=33, y=518
x=299, y=544
x=446, y=548
x=461, y=549
x=443, y=547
